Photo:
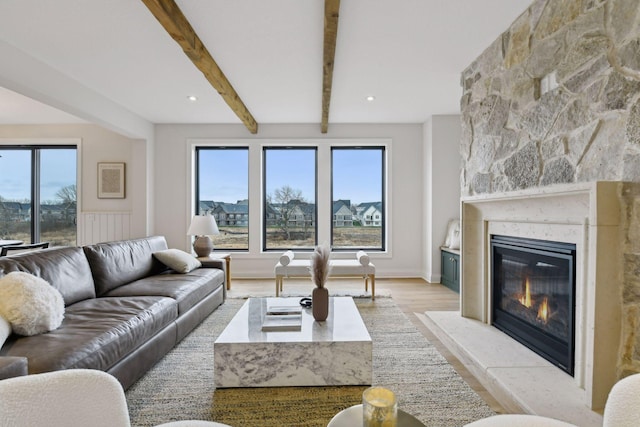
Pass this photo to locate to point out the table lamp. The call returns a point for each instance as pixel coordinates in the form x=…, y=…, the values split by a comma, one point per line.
x=202, y=226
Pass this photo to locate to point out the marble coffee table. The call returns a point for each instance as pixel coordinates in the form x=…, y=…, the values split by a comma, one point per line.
x=335, y=352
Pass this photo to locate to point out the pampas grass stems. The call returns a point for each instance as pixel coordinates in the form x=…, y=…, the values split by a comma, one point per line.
x=320, y=265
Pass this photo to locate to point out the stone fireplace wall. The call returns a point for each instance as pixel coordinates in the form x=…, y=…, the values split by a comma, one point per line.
x=556, y=100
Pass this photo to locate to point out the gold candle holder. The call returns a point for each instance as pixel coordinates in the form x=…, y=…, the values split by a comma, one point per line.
x=379, y=408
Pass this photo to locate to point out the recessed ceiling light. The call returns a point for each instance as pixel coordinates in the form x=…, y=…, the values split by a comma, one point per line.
x=192, y=98
x=371, y=98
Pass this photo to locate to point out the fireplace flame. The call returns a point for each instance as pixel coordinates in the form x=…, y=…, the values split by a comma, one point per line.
x=543, y=311
x=526, y=298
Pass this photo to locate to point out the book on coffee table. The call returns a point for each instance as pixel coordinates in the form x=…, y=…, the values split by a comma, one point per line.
x=284, y=322
x=284, y=310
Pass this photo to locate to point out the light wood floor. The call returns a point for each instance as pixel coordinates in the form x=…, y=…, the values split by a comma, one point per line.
x=411, y=295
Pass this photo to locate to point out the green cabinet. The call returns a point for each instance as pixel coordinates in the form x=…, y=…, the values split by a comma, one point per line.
x=450, y=265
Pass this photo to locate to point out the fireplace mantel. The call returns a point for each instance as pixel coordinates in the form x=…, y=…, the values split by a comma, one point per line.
x=585, y=214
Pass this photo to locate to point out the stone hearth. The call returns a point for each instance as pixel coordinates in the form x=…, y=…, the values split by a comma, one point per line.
x=519, y=379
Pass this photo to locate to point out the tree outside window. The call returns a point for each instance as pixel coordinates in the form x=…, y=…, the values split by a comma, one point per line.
x=38, y=199
x=289, y=198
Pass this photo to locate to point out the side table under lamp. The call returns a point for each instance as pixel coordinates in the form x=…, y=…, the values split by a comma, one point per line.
x=203, y=226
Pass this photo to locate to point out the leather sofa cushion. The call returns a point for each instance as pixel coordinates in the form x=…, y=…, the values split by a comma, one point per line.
x=114, y=264
x=65, y=268
x=95, y=334
x=187, y=289
x=11, y=367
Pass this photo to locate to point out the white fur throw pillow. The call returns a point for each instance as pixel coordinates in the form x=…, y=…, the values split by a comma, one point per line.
x=30, y=303
x=178, y=260
x=5, y=330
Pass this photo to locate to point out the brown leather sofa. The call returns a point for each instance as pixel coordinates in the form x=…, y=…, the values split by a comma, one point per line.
x=124, y=310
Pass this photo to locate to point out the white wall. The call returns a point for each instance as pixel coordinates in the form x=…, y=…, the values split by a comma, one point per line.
x=427, y=237
x=424, y=191
x=441, y=164
x=118, y=131
x=96, y=144
x=404, y=257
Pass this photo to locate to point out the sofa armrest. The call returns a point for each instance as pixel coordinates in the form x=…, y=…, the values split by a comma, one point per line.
x=13, y=367
x=213, y=263
x=219, y=263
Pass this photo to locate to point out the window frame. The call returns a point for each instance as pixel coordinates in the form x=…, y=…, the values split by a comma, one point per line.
x=196, y=193
x=35, y=164
x=383, y=201
x=265, y=211
x=258, y=216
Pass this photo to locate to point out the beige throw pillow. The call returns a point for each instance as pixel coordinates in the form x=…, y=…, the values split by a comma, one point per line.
x=178, y=260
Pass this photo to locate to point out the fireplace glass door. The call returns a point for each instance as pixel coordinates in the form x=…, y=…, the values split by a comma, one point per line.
x=533, y=295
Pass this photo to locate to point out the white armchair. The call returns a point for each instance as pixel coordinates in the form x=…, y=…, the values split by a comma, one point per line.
x=69, y=398
x=621, y=410
x=513, y=420
x=623, y=405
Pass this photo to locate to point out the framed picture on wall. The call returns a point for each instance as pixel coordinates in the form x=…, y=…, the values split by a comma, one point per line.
x=111, y=183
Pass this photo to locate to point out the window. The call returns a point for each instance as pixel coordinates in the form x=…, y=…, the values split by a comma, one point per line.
x=38, y=200
x=222, y=190
x=358, y=198
x=350, y=179
x=289, y=196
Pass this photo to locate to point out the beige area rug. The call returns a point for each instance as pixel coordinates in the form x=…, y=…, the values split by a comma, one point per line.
x=181, y=385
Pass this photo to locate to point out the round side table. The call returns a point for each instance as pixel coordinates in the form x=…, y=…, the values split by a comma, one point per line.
x=353, y=417
x=193, y=423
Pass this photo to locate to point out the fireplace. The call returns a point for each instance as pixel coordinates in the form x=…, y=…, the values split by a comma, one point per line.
x=587, y=215
x=533, y=284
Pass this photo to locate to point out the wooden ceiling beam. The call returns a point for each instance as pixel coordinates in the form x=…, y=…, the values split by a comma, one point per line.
x=331, y=13
x=176, y=24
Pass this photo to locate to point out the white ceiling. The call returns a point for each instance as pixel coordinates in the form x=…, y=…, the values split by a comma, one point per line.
x=407, y=53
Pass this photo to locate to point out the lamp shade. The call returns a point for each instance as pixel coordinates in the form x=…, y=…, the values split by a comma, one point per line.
x=203, y=225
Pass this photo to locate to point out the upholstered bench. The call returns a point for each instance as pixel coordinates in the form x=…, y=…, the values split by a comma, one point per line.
x=287, y=266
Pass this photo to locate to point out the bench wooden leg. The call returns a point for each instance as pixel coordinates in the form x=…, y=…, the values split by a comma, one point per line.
x=373, y=287
x=278, y=285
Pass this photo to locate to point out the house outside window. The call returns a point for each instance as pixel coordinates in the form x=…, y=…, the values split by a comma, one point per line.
x=358, y=177
x=222, y=190
x=344, y=182
x=289, y=196
x=38, y=196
